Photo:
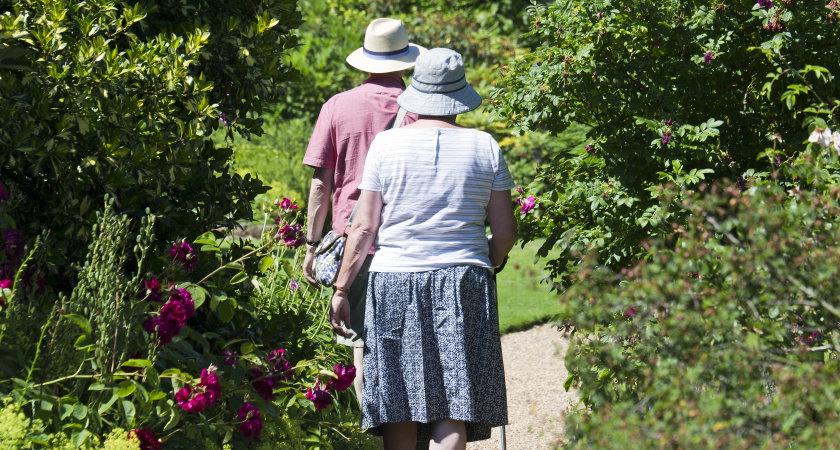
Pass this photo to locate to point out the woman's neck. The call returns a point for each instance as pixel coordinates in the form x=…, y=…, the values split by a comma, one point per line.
x=435, y=122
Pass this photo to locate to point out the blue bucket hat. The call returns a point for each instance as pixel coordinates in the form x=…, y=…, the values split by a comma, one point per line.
x=439, y=86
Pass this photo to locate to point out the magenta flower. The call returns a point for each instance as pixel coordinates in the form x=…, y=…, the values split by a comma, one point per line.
x=184, y=254
x=287, y=205
x=520, y=190
x=527, y=204
x=13, y=243
x=163, y=330
x=291, y=235
x=708, y=57
x=666, y=137
x=184, y=298
x=174, y=312
x=669, y=122
x=206, y=393
x=765, y=3
x=151, y=291
x=231, y=358
x=251, y=425
x=279, y=364
x=4, y=194
x=294, y=285
x=263, y=385
x=598, y=15
x=346, y=375
x=630, y=312
x=320, y=397
x=147, y=438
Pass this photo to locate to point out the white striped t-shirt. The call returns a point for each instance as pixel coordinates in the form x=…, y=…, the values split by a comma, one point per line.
x=435, y=185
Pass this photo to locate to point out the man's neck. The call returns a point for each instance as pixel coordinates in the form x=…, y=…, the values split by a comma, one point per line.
x=393, y=75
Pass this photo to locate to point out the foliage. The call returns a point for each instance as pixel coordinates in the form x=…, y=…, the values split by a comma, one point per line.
x=726, y=337
x=176, y=352
x=276, y=157
x=487, y=35
x=675, y=92
x=110, y=97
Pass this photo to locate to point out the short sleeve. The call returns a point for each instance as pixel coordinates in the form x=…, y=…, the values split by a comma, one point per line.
x=502, y=180
x=321, y=151
x=370, y=177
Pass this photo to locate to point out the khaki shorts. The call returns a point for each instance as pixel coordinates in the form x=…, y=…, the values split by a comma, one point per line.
x=358, y=295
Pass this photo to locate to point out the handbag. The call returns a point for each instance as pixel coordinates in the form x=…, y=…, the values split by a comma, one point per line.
x=329, y=252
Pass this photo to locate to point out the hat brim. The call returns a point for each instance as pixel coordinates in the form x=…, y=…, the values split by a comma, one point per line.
x=461, y=101
x=361, y=61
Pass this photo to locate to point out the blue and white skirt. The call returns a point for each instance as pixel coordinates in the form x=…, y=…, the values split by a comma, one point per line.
x=432, y=351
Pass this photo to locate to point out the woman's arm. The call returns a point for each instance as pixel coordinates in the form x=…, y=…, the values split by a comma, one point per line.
x=359, y=239
x=502, y=226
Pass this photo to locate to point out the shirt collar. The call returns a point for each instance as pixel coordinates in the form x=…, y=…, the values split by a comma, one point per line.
x=388, y=82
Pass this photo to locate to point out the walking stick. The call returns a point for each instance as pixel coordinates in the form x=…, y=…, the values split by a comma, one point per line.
x=504, y=444
x=495, y=272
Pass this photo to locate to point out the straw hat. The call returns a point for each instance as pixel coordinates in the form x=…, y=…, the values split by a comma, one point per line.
x=439, y=86
x=386, y=48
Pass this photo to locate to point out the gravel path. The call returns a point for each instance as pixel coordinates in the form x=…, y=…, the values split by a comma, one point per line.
x=534, y=374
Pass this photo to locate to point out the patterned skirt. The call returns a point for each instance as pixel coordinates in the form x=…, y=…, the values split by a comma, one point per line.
x=432, y=351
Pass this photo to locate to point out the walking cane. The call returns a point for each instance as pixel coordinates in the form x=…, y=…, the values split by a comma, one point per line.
x=495, y=272
x=504, y=445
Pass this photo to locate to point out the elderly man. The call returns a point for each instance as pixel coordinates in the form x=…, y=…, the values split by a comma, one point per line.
x=346, y=126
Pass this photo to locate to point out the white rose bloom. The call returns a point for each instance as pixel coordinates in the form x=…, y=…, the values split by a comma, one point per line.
x=815, y=136
x=836, y=140
x=825, y=139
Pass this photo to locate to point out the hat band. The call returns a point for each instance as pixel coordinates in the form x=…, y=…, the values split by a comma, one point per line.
x=437, y=88
x=386, y=55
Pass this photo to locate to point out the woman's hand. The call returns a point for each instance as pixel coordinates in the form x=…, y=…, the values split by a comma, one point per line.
x=340, y=311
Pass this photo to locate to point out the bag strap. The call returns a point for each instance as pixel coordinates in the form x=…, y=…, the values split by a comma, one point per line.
x=397, y=122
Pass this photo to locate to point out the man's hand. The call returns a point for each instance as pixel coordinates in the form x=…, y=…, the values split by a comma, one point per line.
x=340, y=311
x=308, y=265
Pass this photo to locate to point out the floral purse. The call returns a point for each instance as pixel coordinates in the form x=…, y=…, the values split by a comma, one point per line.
x=329, y=252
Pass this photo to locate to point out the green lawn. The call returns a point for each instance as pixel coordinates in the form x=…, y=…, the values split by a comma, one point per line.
x=523, y=299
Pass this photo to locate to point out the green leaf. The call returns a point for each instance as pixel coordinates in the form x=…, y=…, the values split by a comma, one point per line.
x=126, y=388
x=198, y=293
x=107, y=405
x=156, y=395
x=171, y=371
x=239, y=277
x=174, y=418
x=81, y=322
x=265, y=263
x=227, y=310
x=137, y=363
x=78, y=438
x=246, y=348
x=128, y=409
x=79, y=411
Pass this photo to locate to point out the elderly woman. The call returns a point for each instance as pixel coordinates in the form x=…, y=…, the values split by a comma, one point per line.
x=432, y=359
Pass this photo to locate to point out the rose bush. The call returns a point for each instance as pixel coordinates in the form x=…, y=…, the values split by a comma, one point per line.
x=679, y=92
x=228, y=353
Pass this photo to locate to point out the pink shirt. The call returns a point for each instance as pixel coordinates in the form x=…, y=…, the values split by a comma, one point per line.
x=346, y=126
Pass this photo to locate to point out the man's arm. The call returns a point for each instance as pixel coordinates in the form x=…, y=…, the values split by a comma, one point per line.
x=319, y=203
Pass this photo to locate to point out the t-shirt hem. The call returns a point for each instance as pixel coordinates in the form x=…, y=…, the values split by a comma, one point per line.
x=424, y=268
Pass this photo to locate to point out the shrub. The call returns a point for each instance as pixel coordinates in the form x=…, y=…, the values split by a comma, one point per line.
x=108, y=97
x=222, y=343
x=727, y=336
x=675, y=92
